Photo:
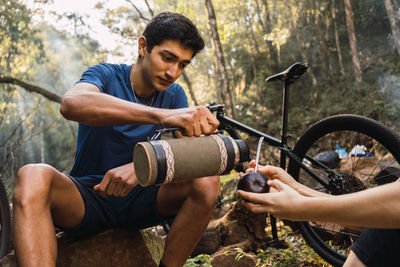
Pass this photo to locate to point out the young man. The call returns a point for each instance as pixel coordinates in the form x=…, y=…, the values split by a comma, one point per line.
x=117, y=106
x=377, y=208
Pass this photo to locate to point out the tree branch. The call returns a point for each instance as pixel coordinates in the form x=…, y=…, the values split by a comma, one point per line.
x=149, y=8
x=138, y=11
x=32, y=88
x=190, y=87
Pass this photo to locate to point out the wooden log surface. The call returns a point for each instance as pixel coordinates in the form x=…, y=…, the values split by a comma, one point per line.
x=115, y=247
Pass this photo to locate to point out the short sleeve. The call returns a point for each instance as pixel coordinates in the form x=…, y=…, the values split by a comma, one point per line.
x=180, y=98
x=96, y=75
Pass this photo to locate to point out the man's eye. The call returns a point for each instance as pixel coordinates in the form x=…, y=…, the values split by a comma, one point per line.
x=167, y=59
x=183, y=65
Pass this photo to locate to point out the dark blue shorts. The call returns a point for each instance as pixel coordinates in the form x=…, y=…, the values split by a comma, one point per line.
x=137, y=210
x=378, y=247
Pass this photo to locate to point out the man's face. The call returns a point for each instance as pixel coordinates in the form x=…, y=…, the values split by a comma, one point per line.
x=164, y=64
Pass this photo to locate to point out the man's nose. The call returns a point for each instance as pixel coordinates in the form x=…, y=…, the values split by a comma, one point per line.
x=173, y=71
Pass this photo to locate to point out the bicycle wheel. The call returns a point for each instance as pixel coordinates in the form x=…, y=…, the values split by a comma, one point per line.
x=5, y=222
x=376, y=162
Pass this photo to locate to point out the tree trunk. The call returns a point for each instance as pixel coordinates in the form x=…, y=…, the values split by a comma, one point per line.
x=296, y=30
x=41, y=142
x=190, y=88
x=338, y=49
x=252, y=43
x=353, y=40
x=393, y=24
x=323, y=54
x=267, y=28
x=225, y=92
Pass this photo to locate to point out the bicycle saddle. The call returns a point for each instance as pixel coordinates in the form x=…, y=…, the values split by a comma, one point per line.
x=291, y=74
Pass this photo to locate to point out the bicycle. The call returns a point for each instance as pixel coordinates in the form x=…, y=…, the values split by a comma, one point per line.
x=375, y=162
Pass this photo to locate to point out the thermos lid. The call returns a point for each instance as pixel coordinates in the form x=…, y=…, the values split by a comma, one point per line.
x=146, y=167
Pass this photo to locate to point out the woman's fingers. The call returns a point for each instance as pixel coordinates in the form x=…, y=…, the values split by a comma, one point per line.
x=254, y=207
x=254, y=197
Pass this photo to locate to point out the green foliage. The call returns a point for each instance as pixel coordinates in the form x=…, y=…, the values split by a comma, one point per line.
x=297, y=254
x=31, y=128
x=20, y=46
x=259, y=38
x=202, y=260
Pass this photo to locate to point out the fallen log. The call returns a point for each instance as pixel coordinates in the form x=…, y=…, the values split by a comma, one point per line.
x=115, y=247
x=238, y=228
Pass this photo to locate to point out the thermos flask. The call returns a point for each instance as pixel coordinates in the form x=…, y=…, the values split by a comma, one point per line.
x=174, y=160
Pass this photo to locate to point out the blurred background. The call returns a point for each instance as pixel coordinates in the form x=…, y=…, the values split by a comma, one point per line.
x=353, y=48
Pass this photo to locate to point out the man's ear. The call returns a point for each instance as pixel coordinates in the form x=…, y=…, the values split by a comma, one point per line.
x=142, y=46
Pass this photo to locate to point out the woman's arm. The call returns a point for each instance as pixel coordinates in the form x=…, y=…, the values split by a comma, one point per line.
x=377, y=207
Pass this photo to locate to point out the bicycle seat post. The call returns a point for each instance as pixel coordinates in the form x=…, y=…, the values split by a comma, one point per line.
x=288, y=76
x=285, y=111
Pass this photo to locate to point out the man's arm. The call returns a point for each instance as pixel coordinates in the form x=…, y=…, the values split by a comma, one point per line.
x=118, y=182
x=377, y=207
x=85, y=103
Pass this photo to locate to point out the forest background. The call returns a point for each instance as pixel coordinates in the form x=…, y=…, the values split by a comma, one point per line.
x=353, y=48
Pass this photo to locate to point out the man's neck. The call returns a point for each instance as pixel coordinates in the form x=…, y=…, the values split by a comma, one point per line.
x=139, y=84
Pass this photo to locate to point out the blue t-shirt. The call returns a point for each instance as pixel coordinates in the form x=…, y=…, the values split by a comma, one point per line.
x=100, y=149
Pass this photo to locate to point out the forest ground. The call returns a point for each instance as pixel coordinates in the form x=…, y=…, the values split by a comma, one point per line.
x=297, y=253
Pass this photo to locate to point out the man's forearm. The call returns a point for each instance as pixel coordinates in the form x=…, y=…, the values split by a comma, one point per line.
x=98, y=109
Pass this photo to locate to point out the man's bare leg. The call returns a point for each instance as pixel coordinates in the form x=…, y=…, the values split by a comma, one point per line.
x=41, y=192
x=353, y=261
x=193, y=202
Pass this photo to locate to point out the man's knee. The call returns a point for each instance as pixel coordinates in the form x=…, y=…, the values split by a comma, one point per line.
x=207, y=189
x=33, y=180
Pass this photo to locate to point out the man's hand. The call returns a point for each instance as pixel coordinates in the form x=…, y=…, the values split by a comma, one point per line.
x=194, y=121
x=118, y=182
x=284, y=202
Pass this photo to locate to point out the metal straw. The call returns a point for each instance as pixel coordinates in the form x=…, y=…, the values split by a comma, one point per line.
x=258, y=152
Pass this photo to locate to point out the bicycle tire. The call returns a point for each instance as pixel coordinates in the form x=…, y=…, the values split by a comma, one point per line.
x=383, y=145
x=5, y=222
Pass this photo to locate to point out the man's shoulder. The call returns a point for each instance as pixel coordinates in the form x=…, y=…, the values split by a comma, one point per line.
x=110, y=67
x=176, y=96
x=174, y=89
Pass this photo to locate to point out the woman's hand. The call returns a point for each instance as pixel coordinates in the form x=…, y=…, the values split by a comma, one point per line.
x=272, y=173
x=283, y=202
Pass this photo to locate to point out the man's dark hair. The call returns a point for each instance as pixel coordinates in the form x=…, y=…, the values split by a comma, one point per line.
x=172, y=26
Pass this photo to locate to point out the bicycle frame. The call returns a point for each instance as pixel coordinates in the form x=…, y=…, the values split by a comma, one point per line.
x=289, y=76
x=230, y=125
